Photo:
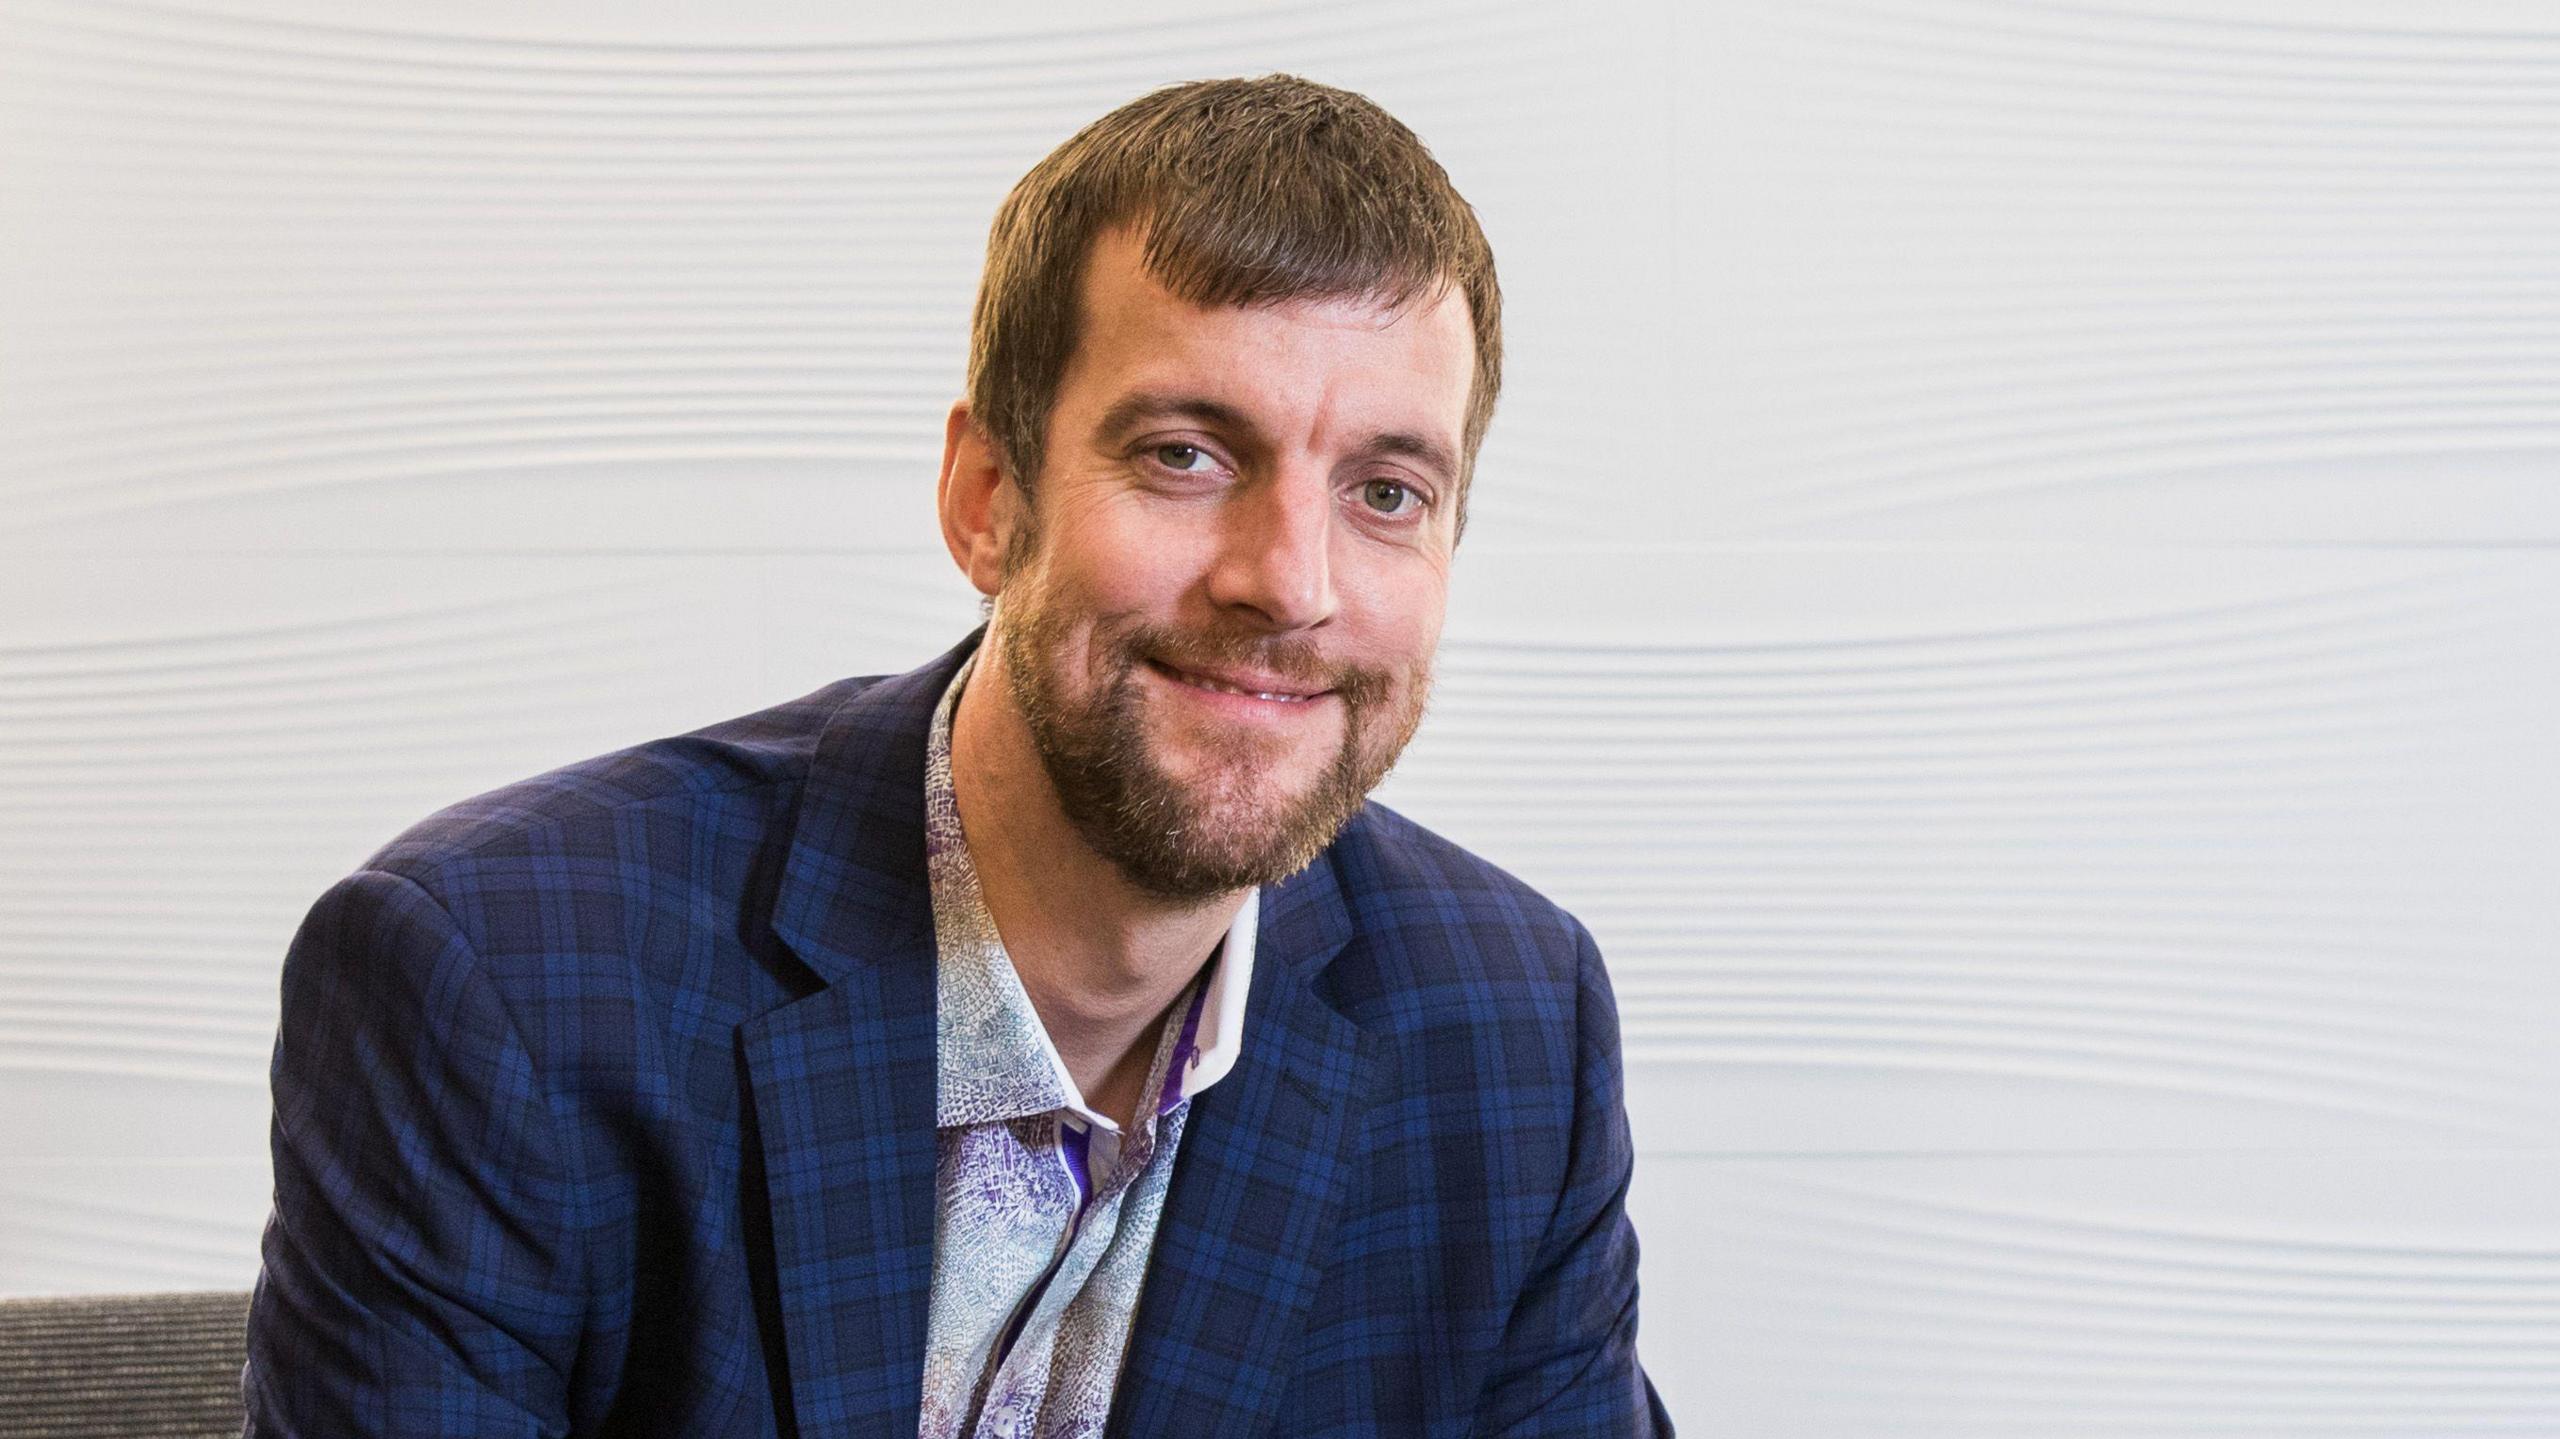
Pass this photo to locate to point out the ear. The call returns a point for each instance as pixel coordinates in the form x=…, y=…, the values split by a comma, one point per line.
x=978, y=508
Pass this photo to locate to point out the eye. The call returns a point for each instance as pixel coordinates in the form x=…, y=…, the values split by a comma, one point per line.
x=1183, y=459
x=1391, y=497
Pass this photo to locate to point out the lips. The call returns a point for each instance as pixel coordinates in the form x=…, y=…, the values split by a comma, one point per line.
x=1251, y=686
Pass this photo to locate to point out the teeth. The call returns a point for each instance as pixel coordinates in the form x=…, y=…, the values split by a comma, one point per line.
x=1199, y=682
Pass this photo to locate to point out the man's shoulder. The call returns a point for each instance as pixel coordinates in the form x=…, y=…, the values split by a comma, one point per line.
x=1486, y=1000
x=1417, y=890
x=754, y=764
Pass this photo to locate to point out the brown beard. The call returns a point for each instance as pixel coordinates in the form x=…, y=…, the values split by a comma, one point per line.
x=1156, y=831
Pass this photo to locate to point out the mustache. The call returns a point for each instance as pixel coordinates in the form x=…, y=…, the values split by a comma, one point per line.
x=1296, y=659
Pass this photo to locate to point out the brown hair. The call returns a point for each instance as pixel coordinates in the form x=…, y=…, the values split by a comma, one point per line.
x=1247, y=192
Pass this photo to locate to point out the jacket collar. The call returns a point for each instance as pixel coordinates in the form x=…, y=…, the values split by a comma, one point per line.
x=854, y=883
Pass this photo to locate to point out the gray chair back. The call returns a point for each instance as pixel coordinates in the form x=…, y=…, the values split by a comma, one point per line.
x=161, y=1365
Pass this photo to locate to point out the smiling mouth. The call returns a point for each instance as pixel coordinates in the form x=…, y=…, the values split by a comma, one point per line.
x=1223, y=687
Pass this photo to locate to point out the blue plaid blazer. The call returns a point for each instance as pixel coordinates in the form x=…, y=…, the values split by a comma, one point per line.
x=604, y=1104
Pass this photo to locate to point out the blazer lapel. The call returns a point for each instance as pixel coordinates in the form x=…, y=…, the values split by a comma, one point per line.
x=844, y=1113
x=842, y=1080
x=1249, y=1222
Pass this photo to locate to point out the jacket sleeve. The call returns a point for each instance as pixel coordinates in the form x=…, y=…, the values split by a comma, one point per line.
x=1567, y=1365
x=420, y=1276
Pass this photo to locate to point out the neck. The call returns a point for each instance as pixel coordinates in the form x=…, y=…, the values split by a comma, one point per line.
x=1101, y=960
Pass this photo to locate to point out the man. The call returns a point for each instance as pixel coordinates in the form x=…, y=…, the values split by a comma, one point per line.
x=1050, y=1038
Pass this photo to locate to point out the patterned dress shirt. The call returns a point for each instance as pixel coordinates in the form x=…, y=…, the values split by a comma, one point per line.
x=1044, y=1210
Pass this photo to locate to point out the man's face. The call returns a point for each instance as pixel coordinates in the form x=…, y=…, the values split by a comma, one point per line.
x=1219, y=632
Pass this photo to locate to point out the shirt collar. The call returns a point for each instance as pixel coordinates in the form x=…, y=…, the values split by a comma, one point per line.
x=995, y=1059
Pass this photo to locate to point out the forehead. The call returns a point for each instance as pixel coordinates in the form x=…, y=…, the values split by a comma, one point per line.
x=1349, y=360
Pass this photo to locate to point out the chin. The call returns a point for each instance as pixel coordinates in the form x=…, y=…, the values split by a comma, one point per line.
x=1189, y=802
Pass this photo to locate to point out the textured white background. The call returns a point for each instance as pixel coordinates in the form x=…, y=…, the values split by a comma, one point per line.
x=2014, y=587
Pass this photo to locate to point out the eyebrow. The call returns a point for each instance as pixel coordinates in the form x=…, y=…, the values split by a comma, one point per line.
x=1143, y=406
x=1422, y=449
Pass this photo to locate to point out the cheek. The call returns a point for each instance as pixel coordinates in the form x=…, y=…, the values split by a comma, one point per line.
x=1092, y=561
x=1427, y=640
x=1143, y=570
x=1085, y=611
x=1401, y=608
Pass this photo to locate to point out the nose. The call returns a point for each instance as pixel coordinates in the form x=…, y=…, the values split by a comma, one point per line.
x=1275, y=562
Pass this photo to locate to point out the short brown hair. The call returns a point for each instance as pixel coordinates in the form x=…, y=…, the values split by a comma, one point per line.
x=1247, y=192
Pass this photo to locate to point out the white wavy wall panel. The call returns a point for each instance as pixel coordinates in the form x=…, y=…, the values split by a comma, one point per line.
x=2177, y=270
x=2225, y=1294
x=346, y=279
x=2011, y=587
x=1991, y=850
